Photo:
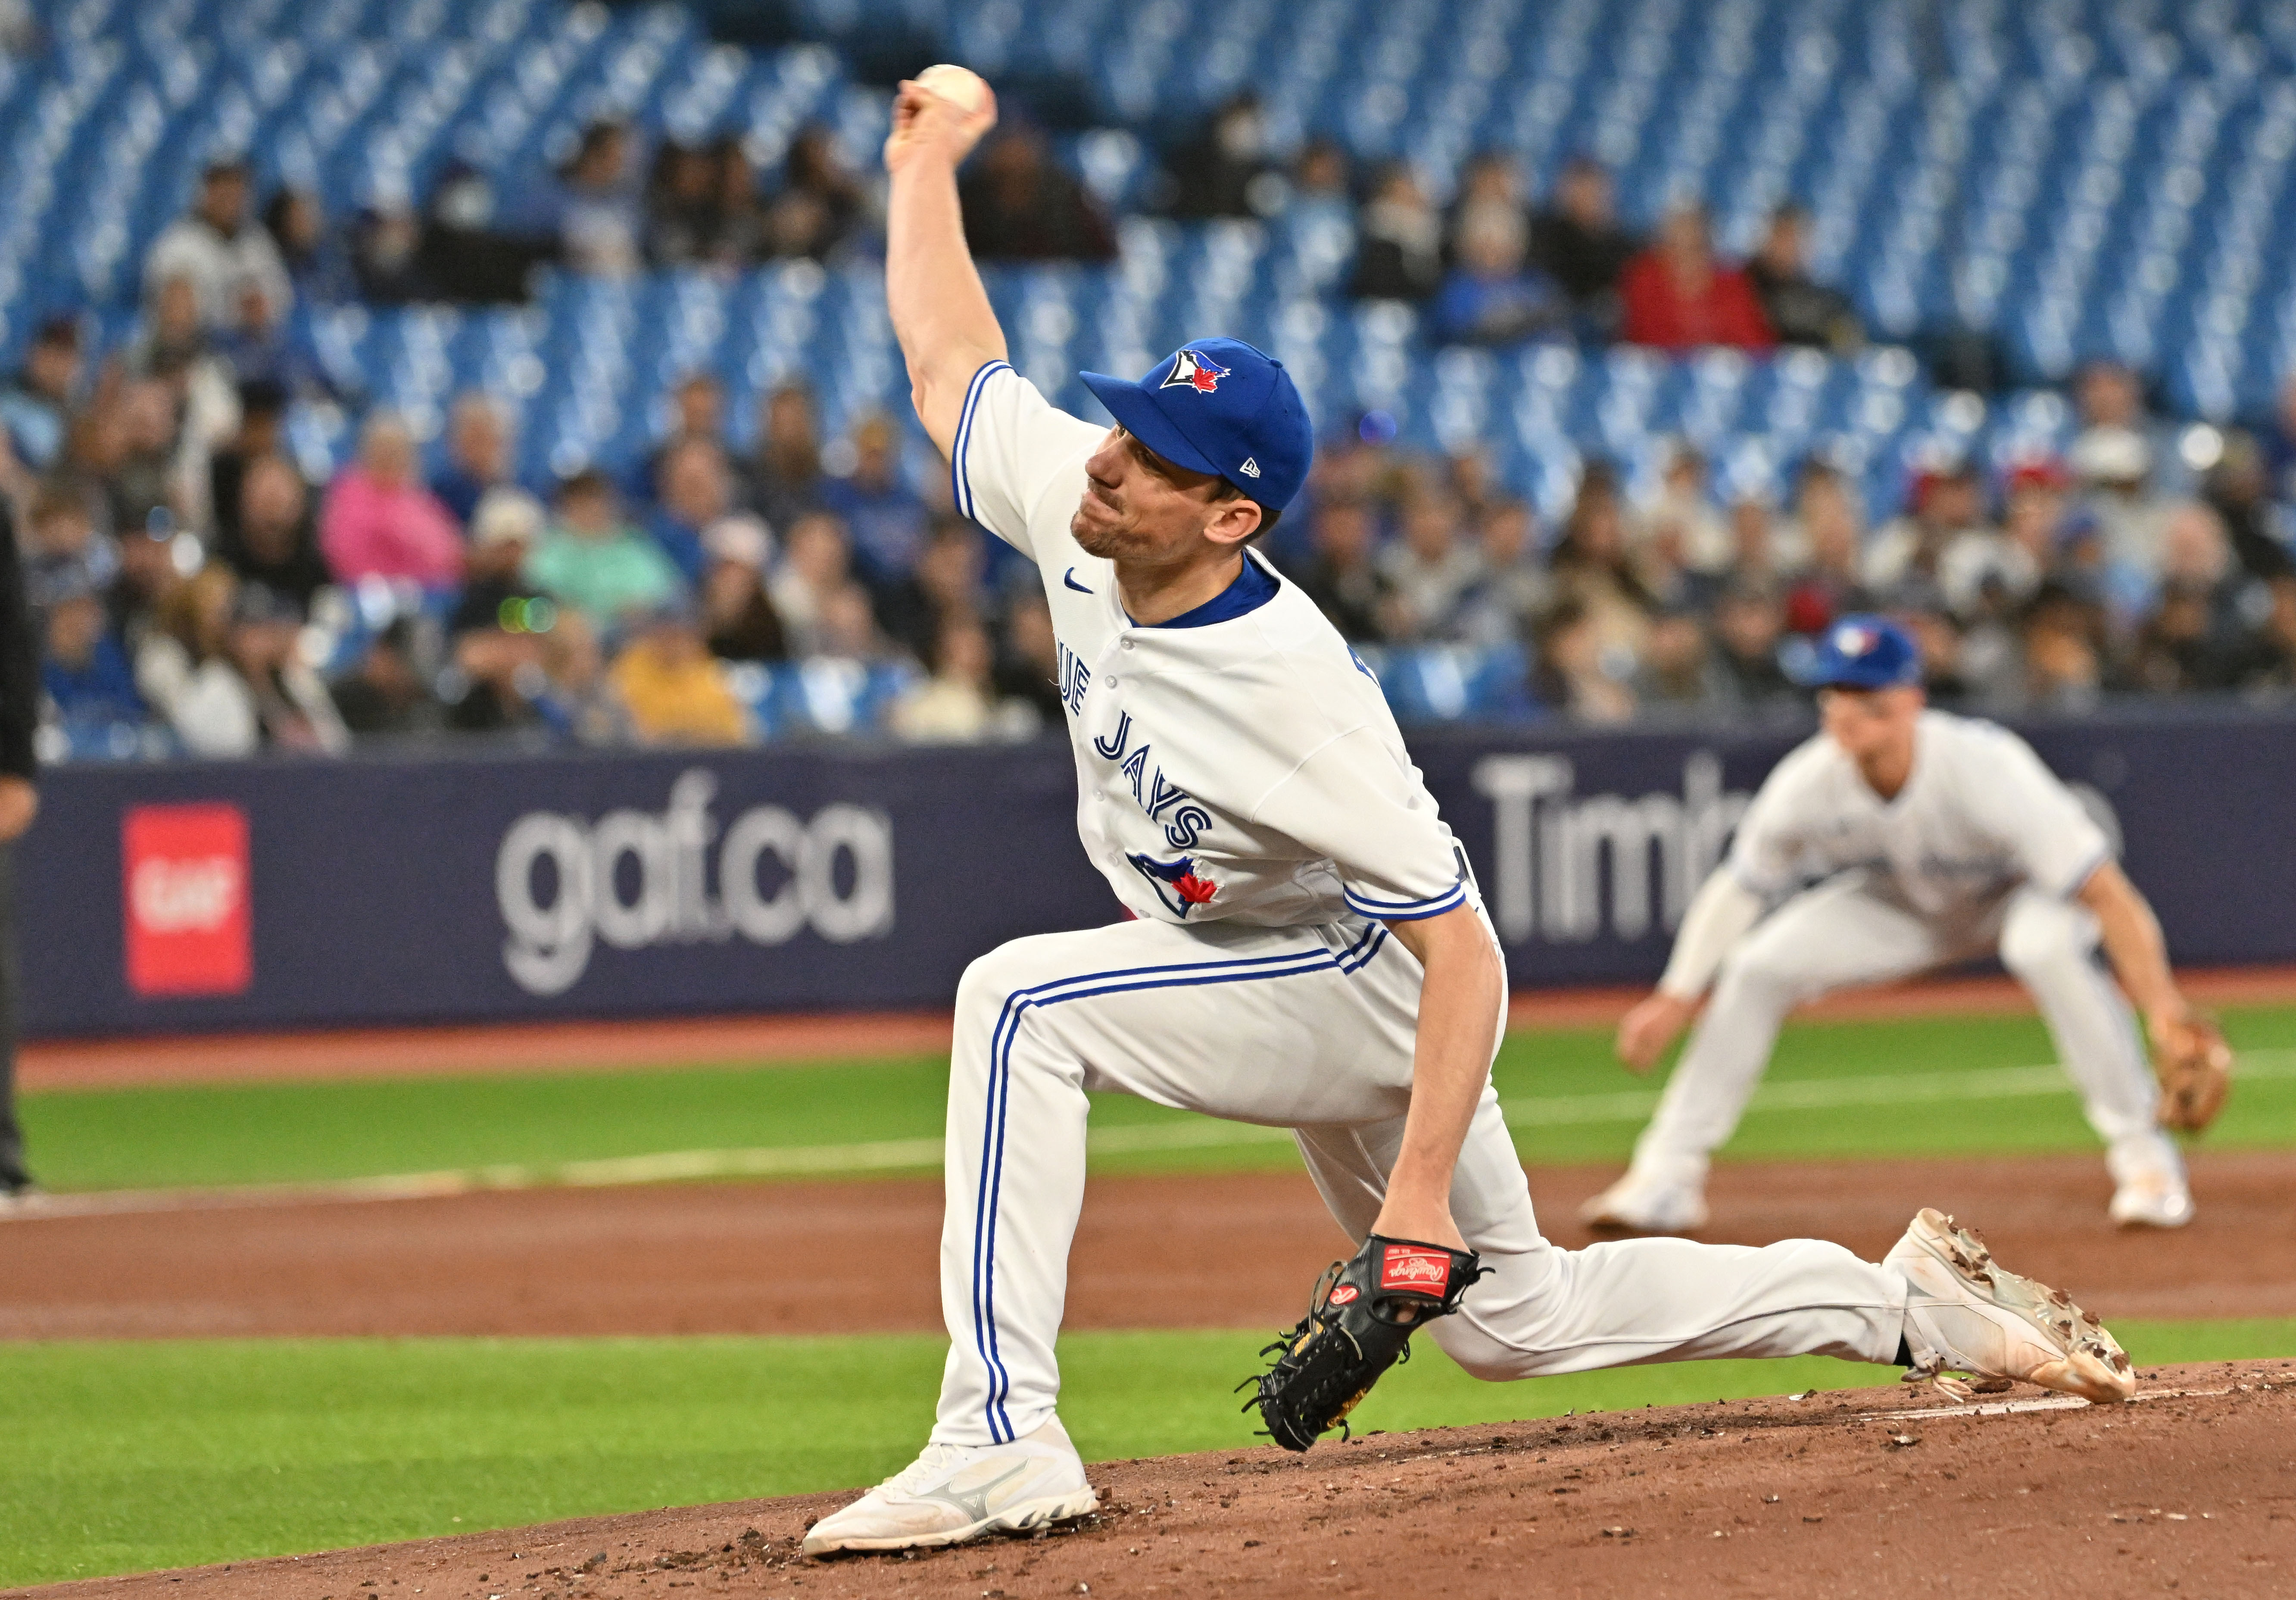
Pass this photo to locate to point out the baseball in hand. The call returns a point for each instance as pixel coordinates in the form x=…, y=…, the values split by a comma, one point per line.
x=960, y=86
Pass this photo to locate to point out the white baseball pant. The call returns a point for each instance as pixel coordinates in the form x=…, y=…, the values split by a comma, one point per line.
x=1850, y=931
x=1309, y=1029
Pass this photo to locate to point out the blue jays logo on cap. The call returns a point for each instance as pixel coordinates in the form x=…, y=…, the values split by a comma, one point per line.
x=1864, y=651
x=1221, y=407
x=1190, y=370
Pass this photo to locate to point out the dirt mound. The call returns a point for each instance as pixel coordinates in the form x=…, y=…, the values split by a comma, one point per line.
x=2191, y=1488
x=654, y=1260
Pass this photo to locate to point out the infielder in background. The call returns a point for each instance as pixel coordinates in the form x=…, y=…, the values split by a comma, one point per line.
x=1307, y=950
x=1930, y=838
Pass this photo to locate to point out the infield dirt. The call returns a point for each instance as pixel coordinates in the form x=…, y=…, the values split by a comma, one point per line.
x=692, y=1258
x=2189, y=1489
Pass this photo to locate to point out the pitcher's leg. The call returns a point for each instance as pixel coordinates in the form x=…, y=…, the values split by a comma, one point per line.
x=1832, y=937
x=1545, y=1309
x=1256, y=1024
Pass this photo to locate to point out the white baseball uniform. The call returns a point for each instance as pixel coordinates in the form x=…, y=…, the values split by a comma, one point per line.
x=1243, y=788
x=1979, y=853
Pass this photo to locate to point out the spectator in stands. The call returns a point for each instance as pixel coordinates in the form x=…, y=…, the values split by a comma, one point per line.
x=1425, y=574
x=594, y=560
x=1945, y=677
x=185, y=672
x=1019, y=205
x=292, y=707
x=1594, y=568
x=785, y=476
x=383, y=695
x=1800, y=309
x=1685, y=539
x=737, y=221
x=217, y=246
x=1321, y=186
x=819, y=204
x=1492, y=296
x=1748, y=622
x=692, y=490
x=1581, y=243
x=1983, y=570
x=595, y=213
x=1510, y=586
x=944, y=587
x=958, y=704
x=1572, y=674
x=481, y=446
x=259, y=348
x=272, y=540
x=885, y=518
x=261, y=431
x=318, y=267
x=1029, y=665
x=36, y=409
x=379, y=521
x=2114, y=466
x=1489, y=183
x=675, y=692
x=2064, y=655
x=505, y=527
x=1225, y=170
x=2268, y=670
x=2108, y=395
x=2240, y=487
x=1830, y=531
x=846, y=630
x=175, y=333
x=681, y=206
x=63, y=554
x=816, y=562
x=387, y=257
x=83, y=672
x=1399, y=241
x=1341, y=576
x=738, y=618
x=149, y=573
x=1678, y=675
x=1676, y=296
x=698, y=411
x=1947, y=502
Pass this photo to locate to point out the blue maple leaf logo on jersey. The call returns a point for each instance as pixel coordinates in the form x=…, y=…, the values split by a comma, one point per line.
x=1176, y=883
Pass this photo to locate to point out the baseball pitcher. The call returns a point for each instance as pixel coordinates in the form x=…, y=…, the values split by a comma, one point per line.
x=1306, y=950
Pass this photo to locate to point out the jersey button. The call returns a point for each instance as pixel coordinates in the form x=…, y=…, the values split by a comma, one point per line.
x=1127, y=643
x=1109, y=680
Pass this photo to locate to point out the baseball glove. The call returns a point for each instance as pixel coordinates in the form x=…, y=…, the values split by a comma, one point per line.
x=2195, y=1066
x=1359, y=1323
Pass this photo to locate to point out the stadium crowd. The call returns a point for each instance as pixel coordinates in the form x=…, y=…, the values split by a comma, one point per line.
x=196, y=593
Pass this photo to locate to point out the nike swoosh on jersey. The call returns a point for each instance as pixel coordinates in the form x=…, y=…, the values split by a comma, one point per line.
x=1069, y=578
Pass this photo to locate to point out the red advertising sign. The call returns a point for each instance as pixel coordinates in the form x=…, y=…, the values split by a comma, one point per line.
x=184, y=872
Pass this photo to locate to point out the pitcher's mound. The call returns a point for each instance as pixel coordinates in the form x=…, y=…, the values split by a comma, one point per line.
x=2189, y=1488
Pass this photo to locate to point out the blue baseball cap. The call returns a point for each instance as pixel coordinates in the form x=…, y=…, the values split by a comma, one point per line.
x=1219, y=405
x=1864, y=651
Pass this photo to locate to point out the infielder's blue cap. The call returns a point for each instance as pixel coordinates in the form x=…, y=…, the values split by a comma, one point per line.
x=1219, y=406
x=1864, y=651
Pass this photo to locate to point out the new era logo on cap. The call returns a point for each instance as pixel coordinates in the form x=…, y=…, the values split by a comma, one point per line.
x=1854, y=639
x=1249, y=469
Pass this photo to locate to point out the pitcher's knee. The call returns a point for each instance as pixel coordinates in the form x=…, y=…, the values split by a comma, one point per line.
x=2035, y=944
x=1759, y=976
x=991, y=982
x=1480, y=1353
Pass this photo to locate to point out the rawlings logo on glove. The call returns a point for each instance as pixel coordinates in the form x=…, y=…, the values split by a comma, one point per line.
x=1359, y=1323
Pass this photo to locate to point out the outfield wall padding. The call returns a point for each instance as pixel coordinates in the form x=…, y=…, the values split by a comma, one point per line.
x=291, y=894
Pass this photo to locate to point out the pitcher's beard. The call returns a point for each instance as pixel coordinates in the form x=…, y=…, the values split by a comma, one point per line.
x=1109, y=544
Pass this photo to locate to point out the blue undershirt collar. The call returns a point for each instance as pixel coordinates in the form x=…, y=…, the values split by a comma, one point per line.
x=1253, y=587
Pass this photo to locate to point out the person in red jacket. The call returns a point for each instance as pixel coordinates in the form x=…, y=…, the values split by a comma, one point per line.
x=1676, y=296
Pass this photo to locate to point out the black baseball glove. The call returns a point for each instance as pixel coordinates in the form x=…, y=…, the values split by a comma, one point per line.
x=1359, y=1324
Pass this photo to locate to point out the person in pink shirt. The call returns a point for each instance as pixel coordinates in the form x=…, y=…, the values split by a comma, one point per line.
x=380, y=521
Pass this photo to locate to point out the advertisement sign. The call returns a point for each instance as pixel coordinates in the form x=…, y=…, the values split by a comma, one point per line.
x=196, y=896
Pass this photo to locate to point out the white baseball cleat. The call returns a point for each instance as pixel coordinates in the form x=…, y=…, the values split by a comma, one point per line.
x=1966, y=1314
x=955, y=1492
x=1648, y=1201
x=2151, y=1200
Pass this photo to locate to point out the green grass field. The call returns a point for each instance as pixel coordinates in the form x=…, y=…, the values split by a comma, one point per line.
x=122, y=1457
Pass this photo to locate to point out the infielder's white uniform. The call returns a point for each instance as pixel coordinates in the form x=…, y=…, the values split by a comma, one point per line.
x=1981, y=853
x=1243, y=788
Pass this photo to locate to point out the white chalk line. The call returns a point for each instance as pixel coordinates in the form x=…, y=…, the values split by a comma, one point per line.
x=2055, y=1402
x=894, y=1156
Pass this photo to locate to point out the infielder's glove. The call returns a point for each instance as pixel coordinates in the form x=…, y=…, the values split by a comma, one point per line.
x=2195, y=1066
x=1359, y=1324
